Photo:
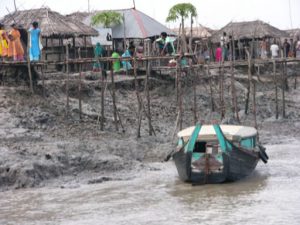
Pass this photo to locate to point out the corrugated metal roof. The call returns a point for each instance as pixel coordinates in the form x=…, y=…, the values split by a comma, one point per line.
x=137, y=24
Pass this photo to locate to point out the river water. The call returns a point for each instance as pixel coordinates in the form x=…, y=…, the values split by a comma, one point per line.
x=269, y=196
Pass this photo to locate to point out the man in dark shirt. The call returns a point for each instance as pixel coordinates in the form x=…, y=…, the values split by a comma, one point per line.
x=286, y=48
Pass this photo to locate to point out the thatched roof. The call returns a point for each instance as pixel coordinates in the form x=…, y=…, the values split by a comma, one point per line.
x=51, y=23
x=199, y=31
x=248, y=30
x=293, y=33
x=137, y=24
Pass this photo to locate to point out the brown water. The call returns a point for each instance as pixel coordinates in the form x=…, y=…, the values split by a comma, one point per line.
x=269, y=196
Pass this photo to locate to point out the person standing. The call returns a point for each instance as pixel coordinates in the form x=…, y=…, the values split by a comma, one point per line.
x=98, y=52
x=297, y=48
x=263, y=49
x=218, y=53
x=274, y=50
x=286, y=48
x=3, y=42
x=15, y=45
x=223, y=43
x=34, y=43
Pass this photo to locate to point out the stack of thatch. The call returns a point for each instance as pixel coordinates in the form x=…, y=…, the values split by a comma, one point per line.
x=249, y=30
x=52, y=24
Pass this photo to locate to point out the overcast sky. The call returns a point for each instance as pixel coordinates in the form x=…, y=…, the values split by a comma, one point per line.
x=284, y=14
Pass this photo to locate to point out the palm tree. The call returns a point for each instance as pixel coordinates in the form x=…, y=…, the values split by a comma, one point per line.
x=182, y=11
x=107, y=18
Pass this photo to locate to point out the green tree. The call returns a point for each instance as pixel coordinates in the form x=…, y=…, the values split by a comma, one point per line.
x=107, y=18
x=182, y=11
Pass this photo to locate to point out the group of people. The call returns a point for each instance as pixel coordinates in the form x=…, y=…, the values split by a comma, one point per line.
x=12, y=43
x=227, y=48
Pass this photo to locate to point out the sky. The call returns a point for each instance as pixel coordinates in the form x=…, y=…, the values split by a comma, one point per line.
x=283, y=14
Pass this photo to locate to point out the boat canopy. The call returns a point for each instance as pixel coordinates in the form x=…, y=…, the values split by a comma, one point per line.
x=231, y=132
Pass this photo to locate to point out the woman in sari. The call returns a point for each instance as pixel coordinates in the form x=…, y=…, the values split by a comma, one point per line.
x=3, y=43
x=34, y=43
x=15, y=48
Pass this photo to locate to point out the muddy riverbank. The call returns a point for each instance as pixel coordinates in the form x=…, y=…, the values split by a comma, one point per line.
x=42, y=146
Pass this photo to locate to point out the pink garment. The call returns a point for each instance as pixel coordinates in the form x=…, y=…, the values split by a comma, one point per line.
x=219, y=54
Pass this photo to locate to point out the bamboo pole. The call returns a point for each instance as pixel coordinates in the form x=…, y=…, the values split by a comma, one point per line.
x=276, y=90
x=180, y=93
x=148, y=66
x=233, y=94
x=195, y=96
x=68, y=79
x=221, y=85
x=43, y=77
x=210, y=90
x=138, y=98
x=114, y=97
x=254, y=103
x=283, y=87
x=28, y=62
x=79, y=92
x=103, y=85
x=249, y=82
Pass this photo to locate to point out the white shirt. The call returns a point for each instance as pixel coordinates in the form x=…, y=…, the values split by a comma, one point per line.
x=274, y=50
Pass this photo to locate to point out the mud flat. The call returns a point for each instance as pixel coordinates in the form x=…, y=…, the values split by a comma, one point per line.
x=42, y=146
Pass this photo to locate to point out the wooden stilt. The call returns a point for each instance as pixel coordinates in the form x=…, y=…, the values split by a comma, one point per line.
x=210, y=90
x=283, y=87
x=28, y=63
x=103, y=86
x=195, y=76
x=254, y=101
x=276, y=90
x=68, y=80
x=249, y=82
x=114, y=96
x=180, y=93
x=148, y=66
x=79, y=92
x=43, y=81
x=138, y=99
x=233, y=94
x=222, y=103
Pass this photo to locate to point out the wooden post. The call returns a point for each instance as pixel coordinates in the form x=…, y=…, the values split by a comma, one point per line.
x=210, y=90
x=138, y=99
x=46, y=48
x=102, y=100
x=233, y=94
x=195, y=95
x=68, y=79
x=28, y=62
x=74, y=46
x=275, y=85
x=43, y=77
x=180, y=93
x=249, y=82
x=85, y=47
x=283, y=87
x=221, y=84
x=114, y=96
x=79, y=92
x=254, y=102
x=148, y=66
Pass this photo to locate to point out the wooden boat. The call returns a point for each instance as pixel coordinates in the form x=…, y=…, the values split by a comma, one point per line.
x=217, y=153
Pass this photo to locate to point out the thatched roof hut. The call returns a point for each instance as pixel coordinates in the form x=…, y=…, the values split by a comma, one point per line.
x=52, y=24
x=249, y=30
x=199, y=31
x=293, y=33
